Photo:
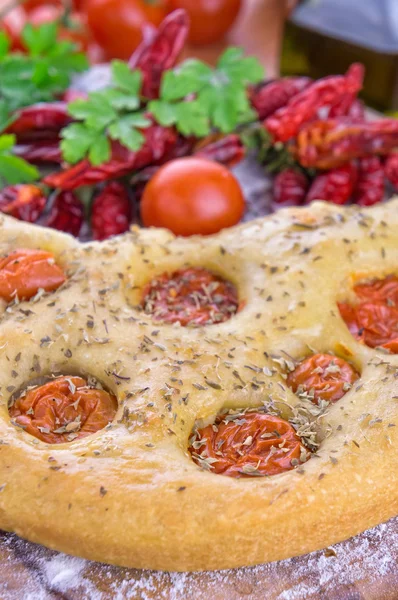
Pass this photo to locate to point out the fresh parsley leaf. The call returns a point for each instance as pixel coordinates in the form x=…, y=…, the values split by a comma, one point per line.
x=7, y=142
x=41, y=74
x=76, y=142
x=13, y=169
x=4, y=44
x=186, y=79
x=40, y=40
x=100, y=151
x=109, y=113
x=196, y=98
x=126, y=134
x=5, y=118
x=96, y=111
x=121, y=100
x=164, y=112
x=125, y=79
x=239, y=68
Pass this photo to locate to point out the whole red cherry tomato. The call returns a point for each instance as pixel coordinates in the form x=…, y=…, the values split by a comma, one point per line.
x=33, y=4
x=74, y=30
x=192, y=196
x=210, y=19
x=117, y=25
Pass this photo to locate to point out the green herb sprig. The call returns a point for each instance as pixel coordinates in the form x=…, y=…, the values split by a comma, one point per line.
x=194, y=97
x=14, y=169
x=110, y=113
x=219, y=97
x=40, y=75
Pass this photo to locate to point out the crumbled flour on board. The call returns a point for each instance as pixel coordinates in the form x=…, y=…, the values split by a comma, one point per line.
x=367, y=558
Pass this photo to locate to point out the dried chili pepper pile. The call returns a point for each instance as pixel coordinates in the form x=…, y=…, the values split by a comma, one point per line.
x=321, y=144
x=316, y=140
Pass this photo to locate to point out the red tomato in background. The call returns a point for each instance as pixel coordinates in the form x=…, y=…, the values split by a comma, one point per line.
x=117, y=24
x=29, y=5
x=192, y=196
x=210, y=19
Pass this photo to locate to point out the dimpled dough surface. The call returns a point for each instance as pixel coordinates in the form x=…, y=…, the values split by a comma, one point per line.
x=131, y=494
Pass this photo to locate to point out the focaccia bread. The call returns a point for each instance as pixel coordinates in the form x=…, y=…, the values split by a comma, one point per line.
x=132, y=494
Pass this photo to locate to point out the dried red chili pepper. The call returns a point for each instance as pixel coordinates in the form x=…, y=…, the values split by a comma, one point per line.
x=111, y=212
x=24, y=202
x=40, y=152
x=290, y=188
x=391, y=168
x=334, y=186
x=268, y=97
x=369, y=188
x=159, y=51
x=329, y=143
x=228, y=150
x=303, y=107
x=66, y=213
x=159, y=142
x=349, y=106
x=41, y=121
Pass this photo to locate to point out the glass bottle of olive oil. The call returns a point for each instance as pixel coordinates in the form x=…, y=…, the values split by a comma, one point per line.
x=323, y=37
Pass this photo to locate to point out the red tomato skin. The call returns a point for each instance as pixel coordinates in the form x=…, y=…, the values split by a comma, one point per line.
x=30, y=5
x=117, y=25
x=192, y=196
x=210, y=19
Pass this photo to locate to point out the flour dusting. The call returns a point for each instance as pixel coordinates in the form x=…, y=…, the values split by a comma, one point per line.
x=365, y=561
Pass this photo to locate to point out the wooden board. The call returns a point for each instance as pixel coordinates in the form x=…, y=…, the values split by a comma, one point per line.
x=363, y=568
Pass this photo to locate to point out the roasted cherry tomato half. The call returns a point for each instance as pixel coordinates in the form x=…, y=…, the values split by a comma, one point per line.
x=374, y=319
x=192, y=196
x=24, y=272
x=210, y=19
x=63, y=409
x=322, y=377
x=190, y=297
x=248, y=444
x=117, y=25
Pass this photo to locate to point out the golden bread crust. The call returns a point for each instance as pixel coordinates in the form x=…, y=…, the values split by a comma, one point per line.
x=130, y=494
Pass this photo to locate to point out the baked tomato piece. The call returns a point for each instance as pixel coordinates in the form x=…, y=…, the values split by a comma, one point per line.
x=248, y=444
x=322, y=377
x=209, y=20
x=118, y=25
x=373, y=320
x=192, y=196
x=24, y=272
x=63, y=409
x=193, y=296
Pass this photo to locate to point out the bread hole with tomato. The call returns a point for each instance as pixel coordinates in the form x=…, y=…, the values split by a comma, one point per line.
x=62, y=408
x=190, y=296
x=321, y=378
x=371, y=312
x=27, y=273
x=253, y=442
